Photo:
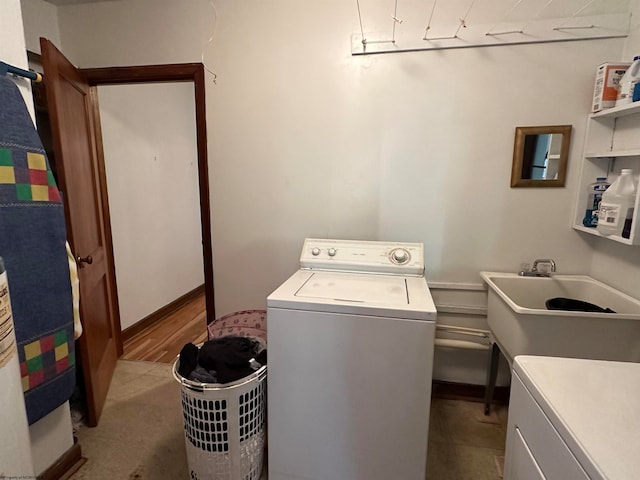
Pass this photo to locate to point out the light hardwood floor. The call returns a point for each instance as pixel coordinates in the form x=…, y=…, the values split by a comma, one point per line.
x=163, y=341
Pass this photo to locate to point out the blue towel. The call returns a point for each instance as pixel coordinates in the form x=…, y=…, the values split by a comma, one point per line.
x=32, y=243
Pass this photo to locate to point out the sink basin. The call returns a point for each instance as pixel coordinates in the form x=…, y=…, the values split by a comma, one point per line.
x=522, y=325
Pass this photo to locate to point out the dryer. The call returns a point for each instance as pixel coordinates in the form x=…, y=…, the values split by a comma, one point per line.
x=351, y=338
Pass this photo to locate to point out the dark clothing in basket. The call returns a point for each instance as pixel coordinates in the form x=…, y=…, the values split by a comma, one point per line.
x=226, y=359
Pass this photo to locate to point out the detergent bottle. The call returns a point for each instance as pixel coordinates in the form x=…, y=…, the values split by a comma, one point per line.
x=628, y=83
x=594, y=197
x=617, y=205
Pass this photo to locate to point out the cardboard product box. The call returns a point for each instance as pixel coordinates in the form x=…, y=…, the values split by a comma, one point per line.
x=608, y=77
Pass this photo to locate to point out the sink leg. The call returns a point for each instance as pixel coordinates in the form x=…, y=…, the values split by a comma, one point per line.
x=492, y=374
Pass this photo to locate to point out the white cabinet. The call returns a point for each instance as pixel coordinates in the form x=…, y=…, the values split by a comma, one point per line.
x=535, y=450
x=573, y=419
x=522, y=463
x=612, y=143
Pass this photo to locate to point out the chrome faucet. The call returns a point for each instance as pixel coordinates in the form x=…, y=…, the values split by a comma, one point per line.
x=535, y=272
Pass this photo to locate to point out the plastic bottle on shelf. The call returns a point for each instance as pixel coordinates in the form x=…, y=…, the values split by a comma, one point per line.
x=617, y=205
x=628, y=220
x=594, y=196
x=628, y=83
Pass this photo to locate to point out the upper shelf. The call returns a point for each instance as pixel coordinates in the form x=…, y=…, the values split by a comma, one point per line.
x=613, y=153
x=615, y=112
x=616, y=238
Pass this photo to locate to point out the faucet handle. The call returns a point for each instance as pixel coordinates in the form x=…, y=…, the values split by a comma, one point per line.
x=548, y=261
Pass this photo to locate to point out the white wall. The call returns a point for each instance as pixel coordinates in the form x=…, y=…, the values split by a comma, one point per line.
x=40, y=20
x=152, y=180
x=51, y=437
x=307, y=140
x=47, y=444
x=135, y=32
x=12, y=47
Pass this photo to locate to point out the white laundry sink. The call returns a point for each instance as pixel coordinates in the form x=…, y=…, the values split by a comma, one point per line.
x=522, y=325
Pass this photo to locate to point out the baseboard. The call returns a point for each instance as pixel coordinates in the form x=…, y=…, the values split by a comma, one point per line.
x=159, y=314
x=463, y=391
x=68, y=464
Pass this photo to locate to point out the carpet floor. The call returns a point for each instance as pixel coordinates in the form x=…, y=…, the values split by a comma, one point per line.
x=140, y=434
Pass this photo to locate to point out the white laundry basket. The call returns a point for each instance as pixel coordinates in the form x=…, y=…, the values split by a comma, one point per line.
x=224, y=426
x=245, y=323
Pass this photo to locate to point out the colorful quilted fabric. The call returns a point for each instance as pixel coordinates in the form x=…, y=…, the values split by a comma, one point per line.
x=32, y=245
x=46, y=358
x=25, y=177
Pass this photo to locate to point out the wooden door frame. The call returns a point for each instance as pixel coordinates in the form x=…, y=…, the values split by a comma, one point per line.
x=182, y=72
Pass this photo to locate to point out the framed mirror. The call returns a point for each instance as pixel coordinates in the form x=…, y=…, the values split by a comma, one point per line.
x=540, y=156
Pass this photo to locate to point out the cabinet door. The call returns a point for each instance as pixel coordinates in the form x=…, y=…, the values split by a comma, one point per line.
x=523, y=465
x=528, y=421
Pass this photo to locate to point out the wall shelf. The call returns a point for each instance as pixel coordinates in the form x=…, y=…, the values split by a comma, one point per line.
x=594, y=231
x=612, y=142
x=616, y=112
x=613, y=153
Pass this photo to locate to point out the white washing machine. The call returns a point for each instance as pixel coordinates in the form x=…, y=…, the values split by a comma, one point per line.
x=351, y=338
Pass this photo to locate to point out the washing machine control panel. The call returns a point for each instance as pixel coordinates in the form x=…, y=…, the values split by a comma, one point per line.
x=363, y=256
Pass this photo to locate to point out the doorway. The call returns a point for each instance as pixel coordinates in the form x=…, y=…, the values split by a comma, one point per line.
x=75, y=120
x=180, y=76
x=190, y=73
x=149, y=144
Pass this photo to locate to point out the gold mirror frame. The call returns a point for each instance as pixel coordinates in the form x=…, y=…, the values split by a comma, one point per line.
x=517, y=177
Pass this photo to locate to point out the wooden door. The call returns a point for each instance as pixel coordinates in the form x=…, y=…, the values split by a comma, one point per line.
x=75, y=126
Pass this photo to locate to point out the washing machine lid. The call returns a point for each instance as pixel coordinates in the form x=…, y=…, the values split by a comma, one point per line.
x=354, y=288
x=356, y=293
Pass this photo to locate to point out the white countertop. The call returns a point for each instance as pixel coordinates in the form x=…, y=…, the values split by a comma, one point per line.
x=594, y=405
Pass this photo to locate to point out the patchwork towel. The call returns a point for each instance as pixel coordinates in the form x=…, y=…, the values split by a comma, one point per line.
x=32, y=243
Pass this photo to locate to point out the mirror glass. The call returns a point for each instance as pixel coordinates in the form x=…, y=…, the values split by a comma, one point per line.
x=540, y=156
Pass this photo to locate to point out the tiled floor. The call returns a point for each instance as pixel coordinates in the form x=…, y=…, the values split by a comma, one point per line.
x=140, y=434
